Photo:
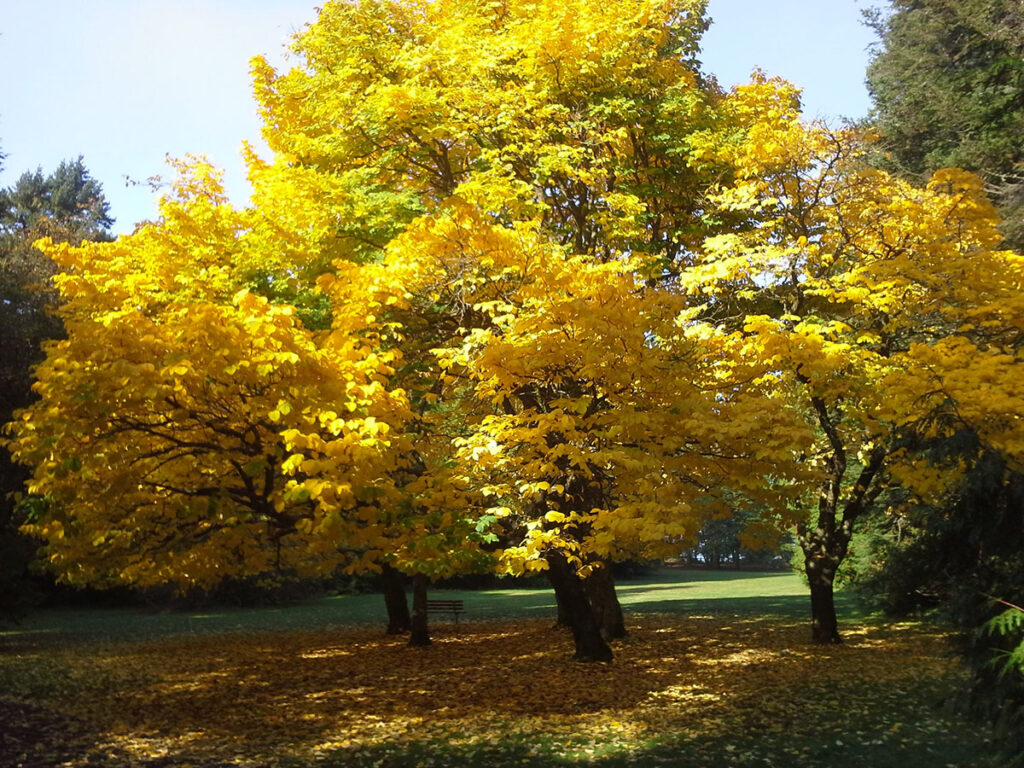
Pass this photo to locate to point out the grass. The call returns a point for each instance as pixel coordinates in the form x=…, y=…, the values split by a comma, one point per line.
x=780, y=594
x=716, y=672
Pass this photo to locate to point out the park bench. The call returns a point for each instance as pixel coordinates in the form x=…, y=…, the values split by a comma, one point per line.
x=454, y=607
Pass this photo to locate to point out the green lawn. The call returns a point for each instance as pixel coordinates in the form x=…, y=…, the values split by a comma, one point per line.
x=717, y=672
x=670, y=591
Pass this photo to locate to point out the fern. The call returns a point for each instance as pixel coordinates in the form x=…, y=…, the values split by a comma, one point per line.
x=1009, y=624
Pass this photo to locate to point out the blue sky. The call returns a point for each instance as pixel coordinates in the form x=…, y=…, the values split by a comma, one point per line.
x=125, y=83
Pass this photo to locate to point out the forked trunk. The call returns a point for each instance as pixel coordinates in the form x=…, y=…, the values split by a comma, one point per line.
x=393, y=583
x=825, y=541
x=420, y=635
x=586, y=632
x=600, y=587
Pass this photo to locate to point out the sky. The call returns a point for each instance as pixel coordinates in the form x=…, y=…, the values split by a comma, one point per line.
x=125, y=83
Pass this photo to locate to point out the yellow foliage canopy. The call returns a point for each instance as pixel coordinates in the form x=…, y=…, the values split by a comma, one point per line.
x=521, y=269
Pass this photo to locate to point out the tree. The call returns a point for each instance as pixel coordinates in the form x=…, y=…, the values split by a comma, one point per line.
x=66, y=205
x=948, y=86
x=871, y=305
x=395, y=602
x=419, y=132
x=524, y=176
x=740, y=540
x=207, y=435
x=948, y=89
x=585, y=459
x=190, y=430
x=960, y=554
x=519, y=287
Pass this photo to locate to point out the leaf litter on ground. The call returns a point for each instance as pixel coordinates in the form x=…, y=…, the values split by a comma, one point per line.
x=700, y=691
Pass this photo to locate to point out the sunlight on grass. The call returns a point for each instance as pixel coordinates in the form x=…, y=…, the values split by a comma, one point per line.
x=495, y=693
x=722, y=686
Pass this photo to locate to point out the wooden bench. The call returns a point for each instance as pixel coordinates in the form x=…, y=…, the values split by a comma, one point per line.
x=454, y=607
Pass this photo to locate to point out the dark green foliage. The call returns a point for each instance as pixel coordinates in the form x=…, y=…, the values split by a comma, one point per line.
x=948, y=86
x=720, y=545
x=1010, y=624
x=18, y=592
x=66, y=205
x=962, y=561
x=947, y=82
x=995, y=501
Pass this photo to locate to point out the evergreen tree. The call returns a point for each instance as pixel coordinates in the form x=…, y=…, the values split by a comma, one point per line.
x=66, y=205
x=948, y=88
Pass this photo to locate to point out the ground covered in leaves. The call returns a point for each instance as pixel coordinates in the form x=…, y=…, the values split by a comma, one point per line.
x=682, y=691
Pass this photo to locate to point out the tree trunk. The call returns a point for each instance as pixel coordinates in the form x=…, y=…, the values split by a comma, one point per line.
x=563, y=612
x=420, y=636
x=399, y=621
x=821, y=573
x=600, y=587
x=586, y=632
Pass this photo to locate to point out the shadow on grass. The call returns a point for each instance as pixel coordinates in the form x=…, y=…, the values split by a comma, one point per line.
x=825, y=750
x=499, y=606
x=848, y=607
x=698, y=575
x=333, y=615
x=665, y=590
x=711, y=690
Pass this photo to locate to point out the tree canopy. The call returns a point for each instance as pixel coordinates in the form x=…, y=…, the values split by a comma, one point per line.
x=520, y=287
x=947, y=84
x=67, y=205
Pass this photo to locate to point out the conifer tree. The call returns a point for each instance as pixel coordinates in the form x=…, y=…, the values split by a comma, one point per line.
x=67, y=205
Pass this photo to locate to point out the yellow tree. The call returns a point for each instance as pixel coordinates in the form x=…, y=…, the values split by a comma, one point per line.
x=870, y=305
x=572, y=292
x=573, y=113
x=188, y=429
x=520, y=180
x=598, y=426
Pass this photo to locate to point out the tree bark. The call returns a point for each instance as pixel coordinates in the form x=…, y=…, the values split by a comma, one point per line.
x=420, y=636
x=600, y=587
x=586, y=632
x=393, y=583
x=562, y=619
x=821, y=572
x=825, y=545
